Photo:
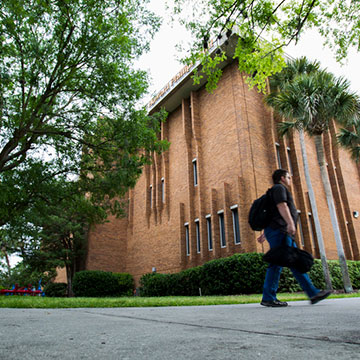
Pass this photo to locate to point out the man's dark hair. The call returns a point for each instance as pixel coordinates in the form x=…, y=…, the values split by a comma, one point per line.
x=276, y=176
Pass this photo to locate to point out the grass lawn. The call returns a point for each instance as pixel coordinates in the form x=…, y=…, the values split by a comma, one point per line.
x=33, y=302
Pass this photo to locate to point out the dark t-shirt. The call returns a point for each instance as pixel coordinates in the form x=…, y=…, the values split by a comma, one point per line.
x=279, y=194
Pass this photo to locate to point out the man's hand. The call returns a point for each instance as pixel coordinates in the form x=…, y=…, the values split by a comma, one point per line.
x=261, y=238
x=290, y=229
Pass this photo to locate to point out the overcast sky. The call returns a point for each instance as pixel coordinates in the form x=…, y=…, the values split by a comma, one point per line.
x=162, y=63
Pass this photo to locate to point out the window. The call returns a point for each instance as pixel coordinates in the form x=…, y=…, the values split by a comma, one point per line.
x=187, y=239
x=289, y=159
x=197, y=227
x=236, y=227
x=195, y=172
x=311, y=230
x=277, y=146
x=163, y=190
x=209, y=233
x=222, y=228
x=150, y=196
x=301, y=231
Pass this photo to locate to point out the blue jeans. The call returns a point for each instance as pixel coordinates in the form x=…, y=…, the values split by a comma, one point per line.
x=271, y=283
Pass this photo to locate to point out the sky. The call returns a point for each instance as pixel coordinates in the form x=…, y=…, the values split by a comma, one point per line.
x=162, y=64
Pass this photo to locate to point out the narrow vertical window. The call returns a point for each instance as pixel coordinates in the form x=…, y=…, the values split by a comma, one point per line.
x=277, y=147
x=209, y=233
x=163, y=190
x=195, y=172
x=222, y=229
x=289, y=160
x=187, y=239
x=236, y=227
x=311, y=230
x=197, y=227
x=150, y=196
x=301, y=231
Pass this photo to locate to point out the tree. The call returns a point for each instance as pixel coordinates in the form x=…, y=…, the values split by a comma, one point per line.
x=264, y=28
x=61, y=242
x=54, y=233
x=311, y=102
x=278, y=83
x=68, y=98
x=350, y=139
x=73, y=138
x=4, y=253
x=24, y=275
x=338, y=23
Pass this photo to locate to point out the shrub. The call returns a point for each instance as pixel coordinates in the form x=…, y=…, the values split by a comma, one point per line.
x=154, y=285
x=125, y=284
x=317, y=275
x=238, y=274
x=188, y=282
x=91, y=283
x=184, y=283
x=55, y=289
x=289, y=284
x=335, y=273
x=354, y=273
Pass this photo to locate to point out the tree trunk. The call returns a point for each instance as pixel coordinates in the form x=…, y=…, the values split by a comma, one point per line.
x=7, y=260
x=315, y=213
x=69, y=276
x=330, y=201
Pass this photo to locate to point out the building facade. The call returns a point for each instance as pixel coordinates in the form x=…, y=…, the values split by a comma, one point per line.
x=191, y=205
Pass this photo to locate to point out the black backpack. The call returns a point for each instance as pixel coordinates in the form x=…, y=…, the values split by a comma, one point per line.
x=260, y=212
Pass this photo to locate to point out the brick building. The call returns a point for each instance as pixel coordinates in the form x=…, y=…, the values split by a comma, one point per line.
x=191, y=204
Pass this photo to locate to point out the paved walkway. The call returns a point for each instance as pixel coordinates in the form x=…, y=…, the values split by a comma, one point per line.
x=328, y=330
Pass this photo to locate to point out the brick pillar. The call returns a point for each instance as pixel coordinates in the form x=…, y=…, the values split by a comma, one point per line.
x=215, y=225
x=131, y=212
x=343, y=194
x=230, y=245
x=182, y=239
x=147, y=192
x=165, y=166
x=187, y=131
x=200, y=194
x=336, y=195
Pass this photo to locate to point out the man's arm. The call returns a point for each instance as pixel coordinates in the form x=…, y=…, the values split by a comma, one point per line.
x=285, y=213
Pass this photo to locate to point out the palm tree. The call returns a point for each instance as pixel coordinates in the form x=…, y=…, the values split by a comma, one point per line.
x=310, y=102
x=350, y=139
x=278, y=83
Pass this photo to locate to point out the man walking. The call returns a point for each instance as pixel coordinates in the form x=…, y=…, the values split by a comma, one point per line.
x=281, y=230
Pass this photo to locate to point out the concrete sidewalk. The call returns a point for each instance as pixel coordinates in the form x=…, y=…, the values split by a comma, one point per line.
x=328, y=330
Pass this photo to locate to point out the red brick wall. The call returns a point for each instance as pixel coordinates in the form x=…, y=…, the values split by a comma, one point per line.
x=107, y=244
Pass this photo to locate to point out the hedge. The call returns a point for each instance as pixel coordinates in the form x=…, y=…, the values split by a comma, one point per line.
x=238, y=274
x=126, y=284
x=55, y=289
x=93, y=283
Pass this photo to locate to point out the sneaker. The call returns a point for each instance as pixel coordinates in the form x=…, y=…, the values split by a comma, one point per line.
x=275, y=303
x=320, y=296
